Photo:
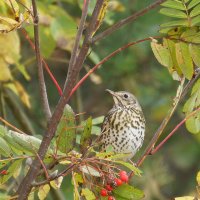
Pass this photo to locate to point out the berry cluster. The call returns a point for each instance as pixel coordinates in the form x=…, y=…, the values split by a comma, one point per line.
x=123, y=178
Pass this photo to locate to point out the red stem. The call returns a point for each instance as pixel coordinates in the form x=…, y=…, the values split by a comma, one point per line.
x=44, y=62
x=173, y=131
x=106, y=59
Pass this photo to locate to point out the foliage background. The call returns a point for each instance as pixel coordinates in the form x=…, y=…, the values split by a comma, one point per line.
x=169, y=173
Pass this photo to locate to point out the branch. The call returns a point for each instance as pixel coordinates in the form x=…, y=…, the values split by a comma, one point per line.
x=26, y=184
x=78, y=38
x=173, y=131
x=125, y=21
x=42, y=85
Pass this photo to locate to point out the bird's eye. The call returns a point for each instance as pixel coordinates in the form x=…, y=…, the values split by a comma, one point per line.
x=125, y=96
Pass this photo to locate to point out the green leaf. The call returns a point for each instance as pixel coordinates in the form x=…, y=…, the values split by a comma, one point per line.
x=4, y=162
x=46, y=38
x=195, y=11
x=190, y=104
x=88, y=194
x=23, y=71
x=161, y=53
x=11, y=170
x=173, y=4
x=175, y=23
x=173, y=13
x=195, y=21
x=195, y=53
x=191, y=35
x=86, y=135
x=78, y=178
x=43, y=191
x=5, y=150
x=128, y=192
x=66, y=130
x=130, y=166
x=193, y=3
x=193, y=123
x=184, y=59
x=3, y=131
x=97, y=120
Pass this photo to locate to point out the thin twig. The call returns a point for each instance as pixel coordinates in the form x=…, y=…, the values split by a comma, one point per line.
x=125, y=21
x=44, y=62
x=106, y=59
x=42, y=85
x=173, y=131
x=78, y=38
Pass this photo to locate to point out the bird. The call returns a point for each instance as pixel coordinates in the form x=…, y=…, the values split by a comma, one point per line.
x=123, y=127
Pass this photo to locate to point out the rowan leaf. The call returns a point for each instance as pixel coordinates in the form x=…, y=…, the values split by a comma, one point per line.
x=184, y=59
x=43, y=191
x=173, y=4
x=66, y=130
x=88, y=194
x=128, y=192
x=11, y=170
x=173, y=13
x=195, y=53
x=86, y=135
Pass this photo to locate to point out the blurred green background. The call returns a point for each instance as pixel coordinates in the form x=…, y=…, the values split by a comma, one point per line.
x=171, y=171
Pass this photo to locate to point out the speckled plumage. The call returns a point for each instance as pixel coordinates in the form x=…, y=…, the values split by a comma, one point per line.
x=124, y=125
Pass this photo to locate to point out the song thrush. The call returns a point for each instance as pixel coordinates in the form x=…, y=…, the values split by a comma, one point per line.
x=124, y=125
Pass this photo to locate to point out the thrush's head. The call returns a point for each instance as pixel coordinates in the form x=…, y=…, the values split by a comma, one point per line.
x=124, y=99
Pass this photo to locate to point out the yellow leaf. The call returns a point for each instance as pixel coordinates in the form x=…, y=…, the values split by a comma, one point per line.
x=5, y=74
x=23, y=95
x=43, y=191
x=198, y=178
x=185, y=198
x=56, y=183
x=10, y=47
x=13, y=6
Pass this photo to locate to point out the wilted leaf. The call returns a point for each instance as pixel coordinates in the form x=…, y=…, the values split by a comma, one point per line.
x=89, y=170
x=56, y=183
x=198, y=178
x=128, y=192
x=10, y=47
x=161, y=53
x=184, y=59
x=185, y=198
x=78, y=178
x=66, y=130
x=86, y=135
x=43, y=191
x=13, y=167
x=88, y=194
x=5, y=74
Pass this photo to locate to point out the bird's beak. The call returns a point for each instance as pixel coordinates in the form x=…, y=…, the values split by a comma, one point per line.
x=115, y=96
x=111, y=92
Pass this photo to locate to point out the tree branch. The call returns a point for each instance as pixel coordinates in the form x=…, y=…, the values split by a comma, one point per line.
x=42, y=85
x=26, y=184
x=78, y=38
x=125, y=21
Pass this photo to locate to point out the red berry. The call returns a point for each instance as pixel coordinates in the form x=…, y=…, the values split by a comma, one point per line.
x=104, y=192
x=122, y=173
x=4, y=172
x=111, y=198
x=109, y=188
x=118, y=181
x=124, y=178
